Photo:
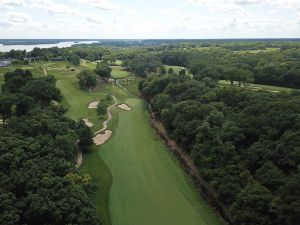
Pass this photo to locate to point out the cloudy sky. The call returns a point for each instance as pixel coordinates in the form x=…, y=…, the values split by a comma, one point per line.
x=149, y=19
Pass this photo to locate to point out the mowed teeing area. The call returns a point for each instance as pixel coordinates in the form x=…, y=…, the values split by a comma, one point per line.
x=139, y=181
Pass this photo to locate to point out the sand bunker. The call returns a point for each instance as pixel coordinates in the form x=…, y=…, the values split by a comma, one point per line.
x=124, y=107
x=88, y=123
x=54, y=102
x=102, y=138
x=93, y=105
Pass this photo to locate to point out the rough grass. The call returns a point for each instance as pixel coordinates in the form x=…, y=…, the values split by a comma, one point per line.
x=177, y=69
x=149, y=187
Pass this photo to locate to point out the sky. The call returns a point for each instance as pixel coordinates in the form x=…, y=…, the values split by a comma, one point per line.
x=133, y=19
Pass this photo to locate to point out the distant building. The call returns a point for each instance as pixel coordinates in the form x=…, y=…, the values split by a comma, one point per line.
x=4, y=63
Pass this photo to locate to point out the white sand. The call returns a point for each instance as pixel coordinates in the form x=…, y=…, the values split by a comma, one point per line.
x=79, y=158
x=124, y=107
x=102, y=138
x=93, y=105
x=88, y=123
x=54, y=102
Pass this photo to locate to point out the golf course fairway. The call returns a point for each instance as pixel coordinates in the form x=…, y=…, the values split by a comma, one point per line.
x=139, y=181
x=149, y=187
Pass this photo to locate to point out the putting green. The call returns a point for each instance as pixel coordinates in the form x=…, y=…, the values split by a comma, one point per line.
x=149, y=187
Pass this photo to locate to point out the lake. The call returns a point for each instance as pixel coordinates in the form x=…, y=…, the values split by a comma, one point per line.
x=28, y=48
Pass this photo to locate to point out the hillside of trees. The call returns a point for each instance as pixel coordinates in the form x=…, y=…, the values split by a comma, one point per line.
x=39, y=183
x=245, y=143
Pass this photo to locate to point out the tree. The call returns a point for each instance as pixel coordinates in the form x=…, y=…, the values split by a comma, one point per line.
x=103, y=70
x=101, y=108
x=87, y=80
x=85, y=136
x=170, y=70
x=163, y=70
x=42, y=89
x=270, y=176
x=253, y=205
x=15, y=80
x=182, y=71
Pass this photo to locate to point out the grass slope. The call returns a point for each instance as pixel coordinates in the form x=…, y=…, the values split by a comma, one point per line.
x=149, y=187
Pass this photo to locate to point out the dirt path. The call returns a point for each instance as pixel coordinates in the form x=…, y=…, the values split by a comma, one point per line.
x=118, y=83
x=109, y=116
x=79, y=158
x=45, y=72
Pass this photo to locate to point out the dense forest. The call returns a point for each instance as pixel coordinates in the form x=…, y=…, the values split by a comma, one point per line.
x=39, y=183
x=244, y=142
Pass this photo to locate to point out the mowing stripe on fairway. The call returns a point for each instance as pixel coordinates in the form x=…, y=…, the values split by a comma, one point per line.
x=149, y=187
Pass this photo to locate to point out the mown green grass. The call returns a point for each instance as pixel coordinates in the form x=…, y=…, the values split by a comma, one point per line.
x=132, y=85
x=149, y=187
x=259, y=50
x=118, y=72
x=177, y=69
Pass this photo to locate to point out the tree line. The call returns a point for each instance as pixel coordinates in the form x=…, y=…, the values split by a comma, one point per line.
x=39, y=183
x=245, y=143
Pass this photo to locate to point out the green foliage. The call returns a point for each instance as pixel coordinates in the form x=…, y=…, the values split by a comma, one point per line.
x=170, y=70
x=37, y=151
x=87, y=80
x=85, y=136
x=103, y=105
x=103, y=70
x=244, y=142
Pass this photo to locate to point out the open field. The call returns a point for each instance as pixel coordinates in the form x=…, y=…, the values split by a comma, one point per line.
x=117, y=69
x=259, y=50
x=118, y=72
x=176, y=69
x=259, y=86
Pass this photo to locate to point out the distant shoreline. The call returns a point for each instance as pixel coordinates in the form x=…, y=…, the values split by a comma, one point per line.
x=6, y=42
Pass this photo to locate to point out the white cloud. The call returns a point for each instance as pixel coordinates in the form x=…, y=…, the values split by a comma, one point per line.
x=101, y=4
x=8, y=4
x=94, y=19
x=15, y=17
x=53, y=7
x=249, y=2
x=4, y=24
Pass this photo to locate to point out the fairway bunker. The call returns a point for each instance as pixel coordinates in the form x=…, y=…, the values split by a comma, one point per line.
x=100, y=139
x=93, y=105
x=88, y=123
x=124, y=107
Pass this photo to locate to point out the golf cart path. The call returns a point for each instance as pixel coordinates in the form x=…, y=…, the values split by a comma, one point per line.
x=109, y=115
x=79, y=153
